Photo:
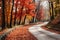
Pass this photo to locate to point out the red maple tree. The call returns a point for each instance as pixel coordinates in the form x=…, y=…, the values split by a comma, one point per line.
x=27, y=7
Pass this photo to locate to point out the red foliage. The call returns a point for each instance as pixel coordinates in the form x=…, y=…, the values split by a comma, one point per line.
x=40, y=15
x=20, y=33
x=31, y=6
x=28, y=5
x=32, y=13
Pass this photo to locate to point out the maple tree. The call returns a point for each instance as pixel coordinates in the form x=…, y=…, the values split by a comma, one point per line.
x=40, y=15
x=18, y=11
x=27, y=7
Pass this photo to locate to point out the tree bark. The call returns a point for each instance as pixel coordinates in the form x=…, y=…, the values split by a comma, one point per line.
x=3, y=15
x=11, y=13
x=55, y=23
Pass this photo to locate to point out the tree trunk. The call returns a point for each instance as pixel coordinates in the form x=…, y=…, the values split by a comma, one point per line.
x=15, y=15
x=37, y=11
x=20, y=16
x=3, y=15
x=0, y=13
x=55, y=23
x=11, y=13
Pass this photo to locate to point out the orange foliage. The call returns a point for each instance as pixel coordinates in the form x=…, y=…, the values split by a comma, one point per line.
x=26, y=8
x=31, y=6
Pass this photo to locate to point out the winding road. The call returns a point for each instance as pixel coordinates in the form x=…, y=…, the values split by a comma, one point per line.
x=34, y=32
